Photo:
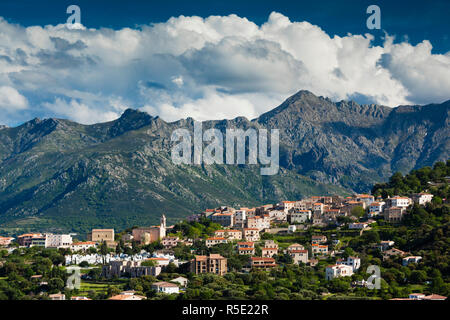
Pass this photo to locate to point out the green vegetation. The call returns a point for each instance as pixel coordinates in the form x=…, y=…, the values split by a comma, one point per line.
x=195, y=230
x=427, y=178
x=34, y=273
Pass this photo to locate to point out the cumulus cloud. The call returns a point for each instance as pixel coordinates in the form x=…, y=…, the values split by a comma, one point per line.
x=11, y=100
x=79, y=112
x=206, y=68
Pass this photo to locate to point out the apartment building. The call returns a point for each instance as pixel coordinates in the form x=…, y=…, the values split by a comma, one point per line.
x=58, y=240
x=287, y=205
x=246, y=248
x=299, y=216
x=214, y=241
x=240, y=217
x=250, y=234
x=224, y=219
x=318, y=239
x=259, y=222
x=262, y=263
x=214, y=263
x=32, y=240
x=229, y=234
x=319, y=249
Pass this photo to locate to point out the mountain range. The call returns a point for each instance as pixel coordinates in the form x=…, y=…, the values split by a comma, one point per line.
x=58, y=175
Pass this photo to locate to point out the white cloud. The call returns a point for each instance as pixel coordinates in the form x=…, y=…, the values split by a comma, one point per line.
x=208, y=68
x=213, y=106
x=11, y=100
x=178, y=81
x=79, y=112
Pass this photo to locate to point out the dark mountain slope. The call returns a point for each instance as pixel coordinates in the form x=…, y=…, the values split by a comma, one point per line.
x=57, y=174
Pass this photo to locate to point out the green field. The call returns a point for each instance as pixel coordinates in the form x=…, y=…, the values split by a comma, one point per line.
x=97, y=287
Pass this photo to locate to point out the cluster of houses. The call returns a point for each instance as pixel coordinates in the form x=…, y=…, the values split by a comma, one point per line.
x=243, y=227
x=316, y=210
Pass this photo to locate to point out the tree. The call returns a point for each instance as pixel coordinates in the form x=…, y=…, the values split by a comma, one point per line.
x=84, y=264
x=418, y=276
x=112, y=291
x=104, y=250
x=340, y=285
x=438, y=286
x=92, y=250
x=358, y=211
x=171, y=268
x=56, y=285
x=148, y=263
x=120, y=246
x=95, y=273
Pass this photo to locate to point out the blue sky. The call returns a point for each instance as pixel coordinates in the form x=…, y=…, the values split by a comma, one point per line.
x=418, y=20
x=142, y=54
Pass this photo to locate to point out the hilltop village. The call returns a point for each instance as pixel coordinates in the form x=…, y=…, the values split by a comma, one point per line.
x=244, y=241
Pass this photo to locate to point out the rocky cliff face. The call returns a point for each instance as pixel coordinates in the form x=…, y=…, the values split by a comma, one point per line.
x=59, y=174
x=354, y=145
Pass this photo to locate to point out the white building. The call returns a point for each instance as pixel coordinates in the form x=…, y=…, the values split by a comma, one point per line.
x=259, y=222
x=181, y=280
x=215, y=240
x=338, y=270
x=385, y=244
x=366, y=198
x=278, y=215
x=165, y=287
x=376, y=208
x=228, y=234
x=401, y=202
x=411, y=259
x=422, y=198
x=358, y=225
x=353, y=262
x=82, y=246
x=58, y=240
x=300, y=216
x=299, y=256
x=318, y=207
x=287, y=205
x=250, y=234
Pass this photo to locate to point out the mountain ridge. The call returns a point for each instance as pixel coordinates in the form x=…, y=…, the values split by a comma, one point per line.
x=117, y=173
